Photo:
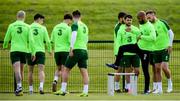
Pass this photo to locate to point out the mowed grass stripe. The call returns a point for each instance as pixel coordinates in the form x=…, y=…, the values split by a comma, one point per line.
x=99, y=15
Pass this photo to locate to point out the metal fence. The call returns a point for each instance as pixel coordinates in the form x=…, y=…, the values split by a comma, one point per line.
x=100, y=52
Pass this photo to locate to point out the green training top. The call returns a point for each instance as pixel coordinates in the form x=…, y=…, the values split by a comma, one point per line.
x=82, y=35
x=162, y=40
x=125, y=38
x=41, y=37
x=60, y=37
x=116, y=28
x=19, y=35
x=148, y=36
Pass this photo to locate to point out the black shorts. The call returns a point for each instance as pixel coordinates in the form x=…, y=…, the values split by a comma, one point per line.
x=161, y=56
x=18, y=56
x=130, y=61
x=80, y=56
x=40, y=59
x=60, y=57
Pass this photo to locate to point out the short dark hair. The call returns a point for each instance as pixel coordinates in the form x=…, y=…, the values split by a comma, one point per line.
x=76, y=13
x=37, y=16
x=128, y=16
x=150, y=12
x=67, y=16
x=121, y=15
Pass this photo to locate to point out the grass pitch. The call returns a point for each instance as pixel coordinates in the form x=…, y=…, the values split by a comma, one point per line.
x=92, y=96
x=99, y=15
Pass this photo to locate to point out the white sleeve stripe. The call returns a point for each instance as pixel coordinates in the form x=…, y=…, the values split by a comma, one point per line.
x=171, y=37
x=73, y=39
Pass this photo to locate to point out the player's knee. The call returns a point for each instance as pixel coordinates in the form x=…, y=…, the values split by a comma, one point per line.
x=41, y=67
x=158, y=70
x=16, y=64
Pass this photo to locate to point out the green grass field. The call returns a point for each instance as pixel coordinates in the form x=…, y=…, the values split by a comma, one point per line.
x=99, y=15
x=97, y=72
x=92, y=96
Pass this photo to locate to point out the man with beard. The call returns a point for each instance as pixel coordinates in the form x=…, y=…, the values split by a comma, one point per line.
x=144, y=46
x=128, y=34
x=161, y=52
x=116, y=48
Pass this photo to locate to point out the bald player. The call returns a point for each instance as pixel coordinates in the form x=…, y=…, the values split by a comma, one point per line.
x=19, y=35
x=143, y=47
